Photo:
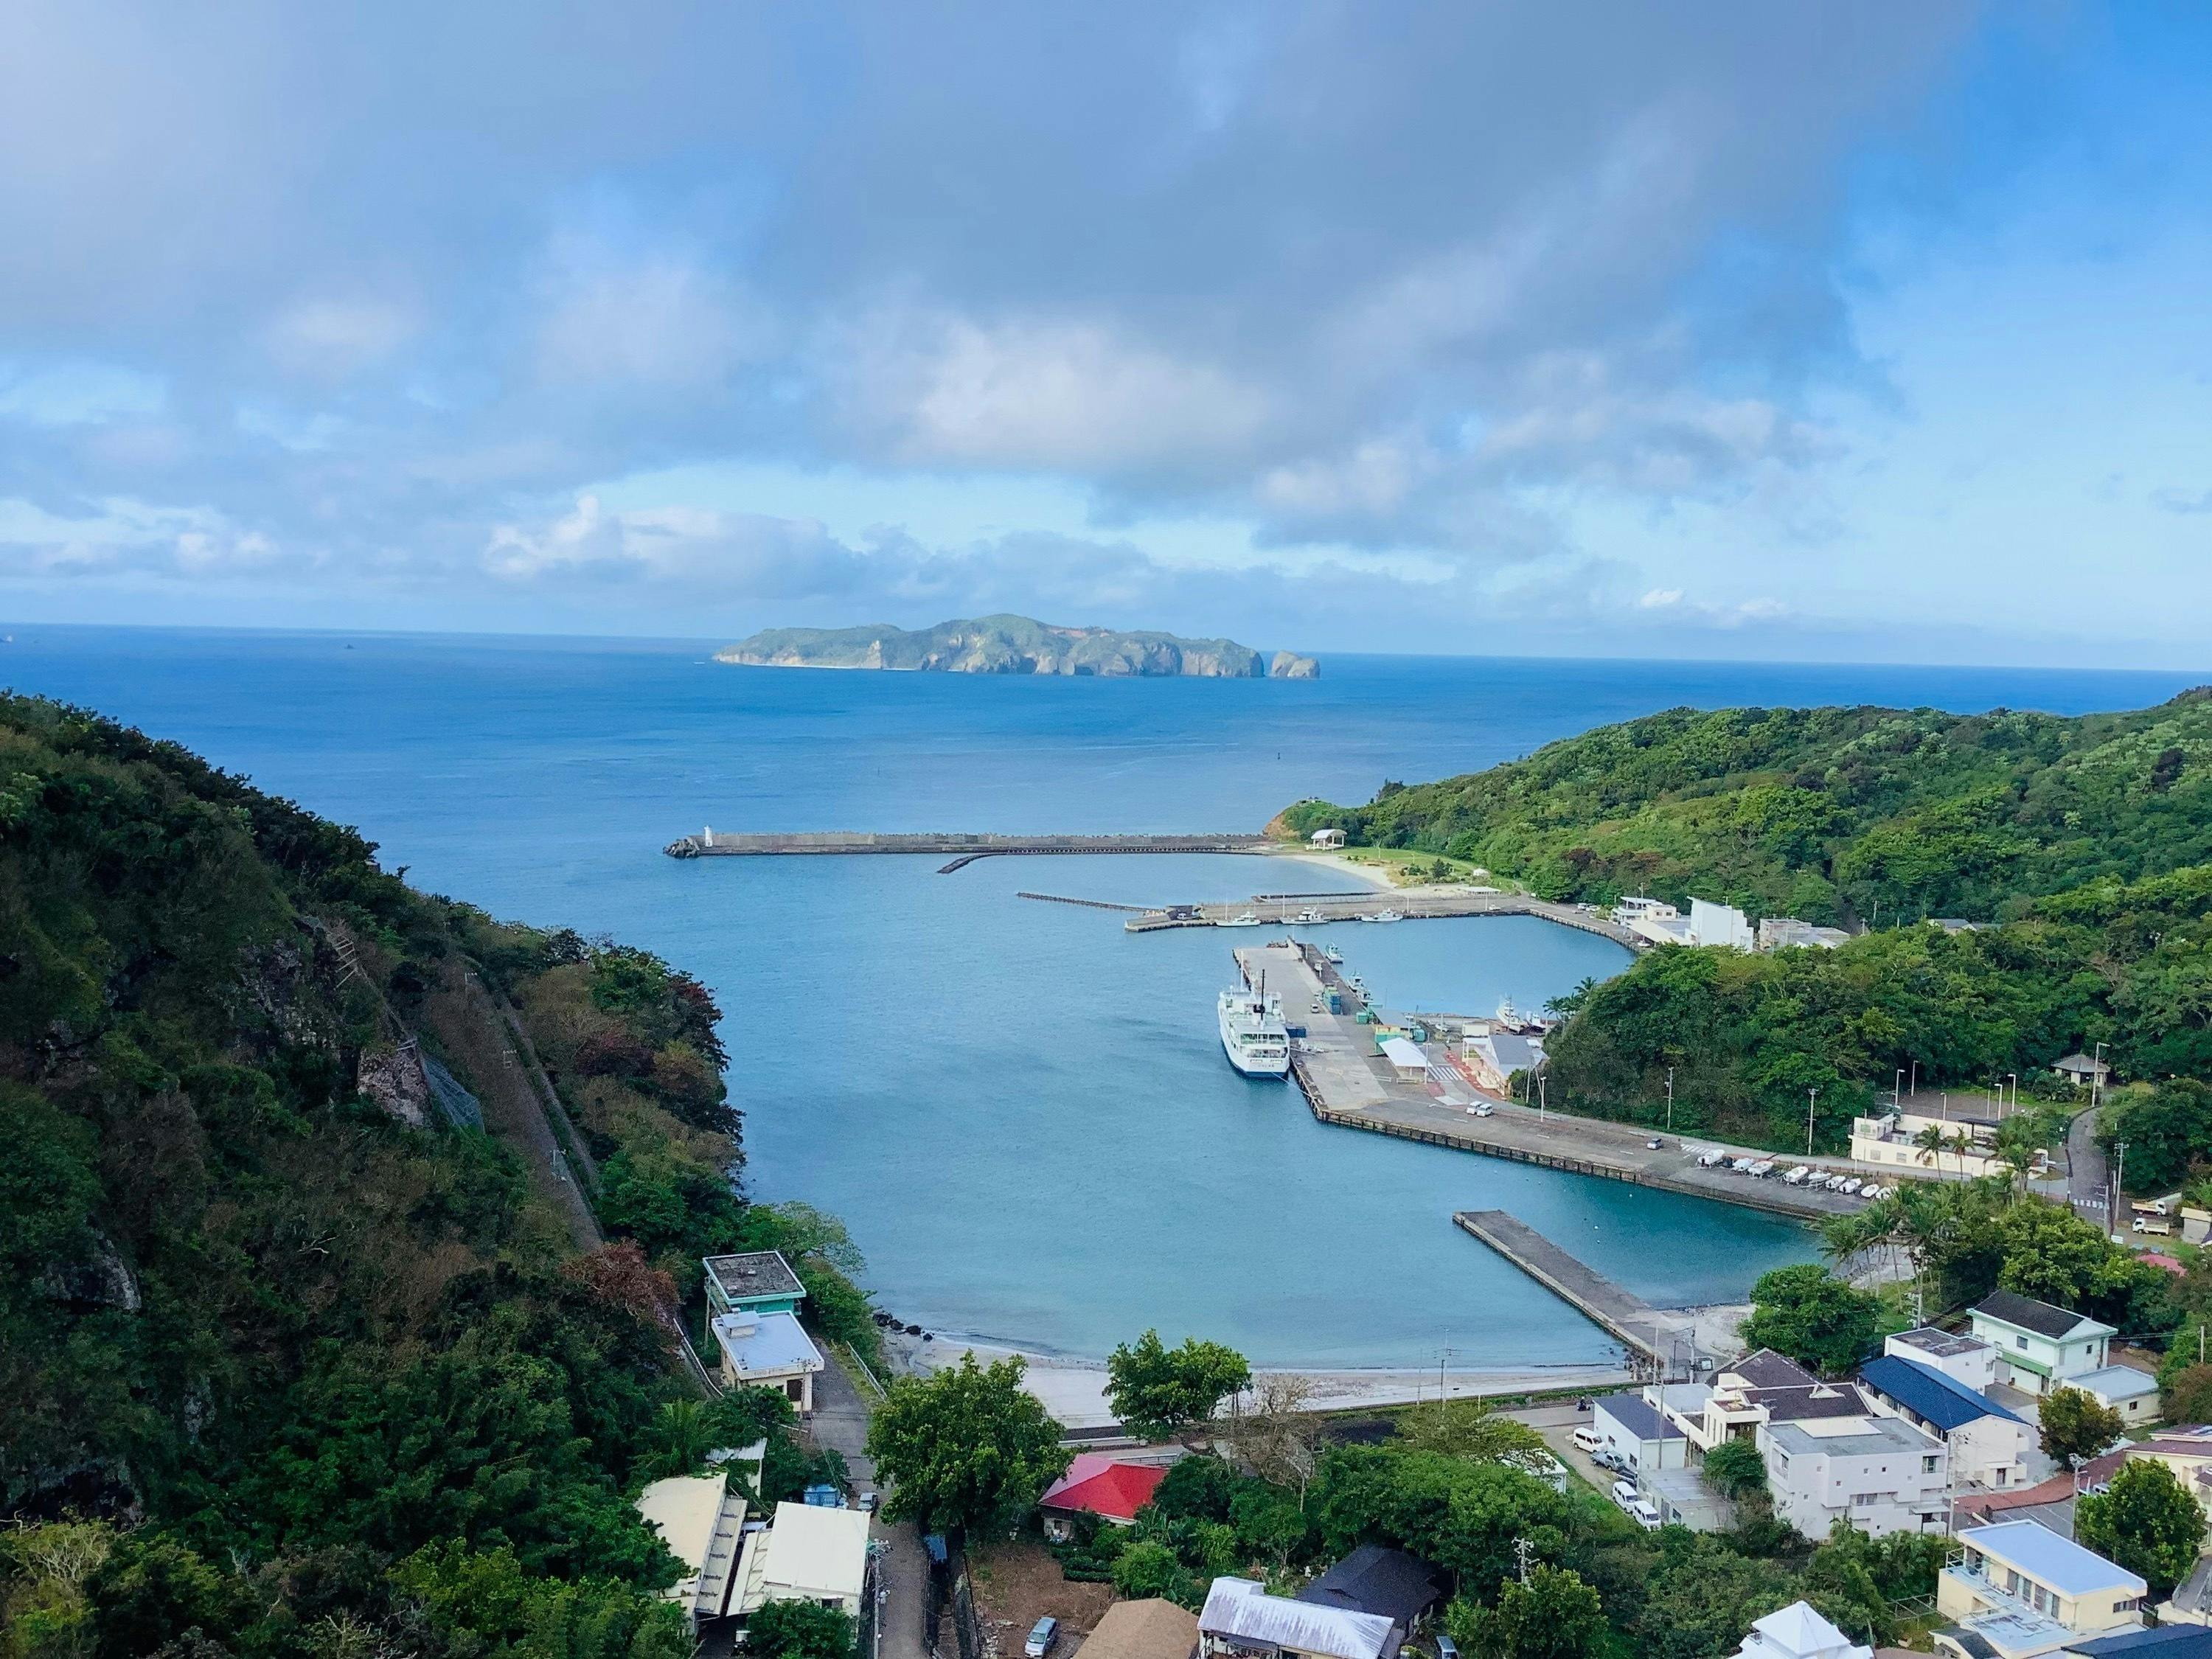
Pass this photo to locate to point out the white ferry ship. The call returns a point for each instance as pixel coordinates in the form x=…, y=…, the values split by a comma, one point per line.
x=1253, y=1034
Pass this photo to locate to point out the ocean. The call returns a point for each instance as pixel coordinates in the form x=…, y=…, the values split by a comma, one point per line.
x=1020, y=1111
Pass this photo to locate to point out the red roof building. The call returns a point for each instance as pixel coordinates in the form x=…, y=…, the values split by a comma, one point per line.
x=1098, y=1484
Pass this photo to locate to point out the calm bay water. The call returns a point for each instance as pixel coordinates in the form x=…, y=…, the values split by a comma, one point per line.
x=1020, y=1110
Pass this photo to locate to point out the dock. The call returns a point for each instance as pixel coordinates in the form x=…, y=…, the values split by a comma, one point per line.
x=1348, y=1085
x=964, y=846
x=1625, y=1317
x=1411, y=904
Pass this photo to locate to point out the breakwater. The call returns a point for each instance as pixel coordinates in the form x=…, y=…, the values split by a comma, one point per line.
x=715, y=843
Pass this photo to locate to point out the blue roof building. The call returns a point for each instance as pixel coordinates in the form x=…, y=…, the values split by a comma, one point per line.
x=1990, y=1445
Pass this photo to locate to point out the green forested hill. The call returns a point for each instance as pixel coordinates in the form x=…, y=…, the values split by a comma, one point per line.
x=1828, y=814
x=2089, y=839
x=288, y=1365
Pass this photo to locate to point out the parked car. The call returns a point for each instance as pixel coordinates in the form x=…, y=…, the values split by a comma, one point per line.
x=1483, y=1109
x=1645, y=1513
x=1587, y=1438
x=1041, y=1635
x=1624, y=1493
x=1655, y=1143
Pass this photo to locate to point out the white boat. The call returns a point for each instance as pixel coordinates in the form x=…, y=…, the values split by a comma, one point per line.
x=1332, y=954
x=1253, y=1034
x=1383, y=915
x=1309, y=916
x=1247, y=920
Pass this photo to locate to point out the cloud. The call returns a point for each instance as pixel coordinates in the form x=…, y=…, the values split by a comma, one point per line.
x=335, y=337
x=78, y=394
x=2185, y=501
x=658, y=322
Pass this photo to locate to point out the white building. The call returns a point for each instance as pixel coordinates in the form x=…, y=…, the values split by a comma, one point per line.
x=1786, y=932
x=1989, y=1445
x=1965, y=1130
x=2021, y=1590
x=702, y=1521
x=1720, y=924
x=1635, y=1432
x=1878, y=1473
x=2039, y=1347
x=767, y=1351
x=1492, y=1057
x=2123, y=1389
x=805, y=1554
x=1326, y=840
x=1966, y=1360
x=1630, y=911
x=1797, y=1632
x=1240, y=1620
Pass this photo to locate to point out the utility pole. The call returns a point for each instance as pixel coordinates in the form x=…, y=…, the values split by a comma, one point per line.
x=2097, y=1076
x=1542, y=1097
x=1897, y=1091
x=2119, y=1178
x=1670, y=1100
x=1811, y=1095
x=1523, y=1552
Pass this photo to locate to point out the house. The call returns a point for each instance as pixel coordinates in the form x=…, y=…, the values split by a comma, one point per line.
x=701, y=1519
x=2039, y=1346
x=758, y=1281
x=805, y=1554
x=1150, y=1629
x=1240, y=1620
x=1492, y=1057
x=2186, y=1452
x=1761, y=1387
x=2021, y=1589
x=1683, y=1500
x=767, y=1351
x=1966, y=1124
x=1785, y=932
x=1324, y=840
x=1634, y=1431
x=1097, y=1483
x=2182, y=1642
x=1797, y=1632
x=2081, y=1071
x=2123, y=1389
x=1391, y=1583
x=1989, y=1445
x=1965, y=1359
x=1878, y=1473
x=1630, y=911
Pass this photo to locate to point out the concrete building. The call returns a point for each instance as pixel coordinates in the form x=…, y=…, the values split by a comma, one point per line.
x=758, y=1281
x=2131, y=1393
x=1787, y=932
x=1989, y=1445
x=1964, y=1359
x=2039, y=1346
x=1634, y=1431
x=1630, y=911
x=1150, y=1629
x=1965, y=1124
x=1720, y=924
x=1240, y=1620
x=805, y=1554
x=1877, y=1473
x=2021, y=1591
x=767, y=1351
x=1683, y=1500
x=1326, y=840
x=1748, y=1393
x=702, y=1521
x=1493, y=1057
x=1707, y=923
x=1797, y=1631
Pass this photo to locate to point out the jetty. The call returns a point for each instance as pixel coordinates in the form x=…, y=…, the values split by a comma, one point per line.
x=1622, y=1316
x=964, y=847
x=1408, y=904
x=1348, y=1084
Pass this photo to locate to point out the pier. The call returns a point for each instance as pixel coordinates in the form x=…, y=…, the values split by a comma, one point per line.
x=1348, y=1085
x=1411, y=904
x=1627, y=1318
x=721, y=844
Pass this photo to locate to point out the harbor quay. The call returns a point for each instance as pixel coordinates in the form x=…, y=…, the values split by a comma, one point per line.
x=1404, y=904
x=1348, y=1084
x=710, y=842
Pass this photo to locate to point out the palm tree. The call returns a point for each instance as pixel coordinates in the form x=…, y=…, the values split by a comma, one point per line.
x=1930, y=1141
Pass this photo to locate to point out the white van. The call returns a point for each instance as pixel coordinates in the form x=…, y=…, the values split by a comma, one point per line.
x=1586, y=1438
x=1624, y=1493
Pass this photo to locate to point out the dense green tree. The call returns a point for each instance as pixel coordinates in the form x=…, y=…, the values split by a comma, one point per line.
x=487, y=1603
x=968, y=1447
x=2072, y=1424
x=2168, y=1131
x=1736, y=1469
x=1158, y=1391
x=2145, y=1521
x=2187, y=1398
x=1150, y=1568
x=799, y=1629
x=1703, y=1597
x=1814, y=1317
x=1471, y=1428
x=1554, y=1615
x=1461, y=1515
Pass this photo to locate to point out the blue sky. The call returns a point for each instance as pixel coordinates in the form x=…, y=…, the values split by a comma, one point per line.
x=1825, y=331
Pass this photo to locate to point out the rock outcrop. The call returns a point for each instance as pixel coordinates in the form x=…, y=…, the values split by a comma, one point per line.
x=1287, y=666
x=1012, y=645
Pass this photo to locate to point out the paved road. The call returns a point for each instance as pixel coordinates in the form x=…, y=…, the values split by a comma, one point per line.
x=841, y=1421
x=2088, y=1172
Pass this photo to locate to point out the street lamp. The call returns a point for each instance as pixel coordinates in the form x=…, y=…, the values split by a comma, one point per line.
x=1670, y=1100
x=1811, y=1095
x=2096, y=1077
x=1897, y=1091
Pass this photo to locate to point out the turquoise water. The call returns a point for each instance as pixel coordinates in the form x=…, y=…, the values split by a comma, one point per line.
x=1020, y=1110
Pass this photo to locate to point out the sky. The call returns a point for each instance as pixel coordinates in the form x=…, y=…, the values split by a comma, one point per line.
x=1826, y=331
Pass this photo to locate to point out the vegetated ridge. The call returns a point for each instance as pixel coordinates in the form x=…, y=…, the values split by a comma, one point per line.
x=1014, y=645
x=284, y=1352
x=2086, y=843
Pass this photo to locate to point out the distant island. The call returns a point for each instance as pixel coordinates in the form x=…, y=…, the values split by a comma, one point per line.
x=1014, y=645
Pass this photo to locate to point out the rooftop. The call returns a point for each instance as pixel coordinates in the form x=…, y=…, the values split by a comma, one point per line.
x=1929, y=1394
x=1762, y=1368
x=1638, y=1417
x=1797, y=1631
x=2056, y=1562
x=1098, y=1483
x=819, y=1552
x=1245, y=1614
x=1403, y=1055
x=1150, y=1629
x=2029, y=1314
x=2115, y=1382
x=1373, y=1579
x=766, y=1345
x=2166, y=1642
x=1946, y=1344
x=1810, y=1403
x=755, y=1274
x=1872, y=1438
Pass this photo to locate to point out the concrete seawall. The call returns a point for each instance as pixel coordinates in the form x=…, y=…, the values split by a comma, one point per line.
x=1621, y=1315
x=721, y=844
